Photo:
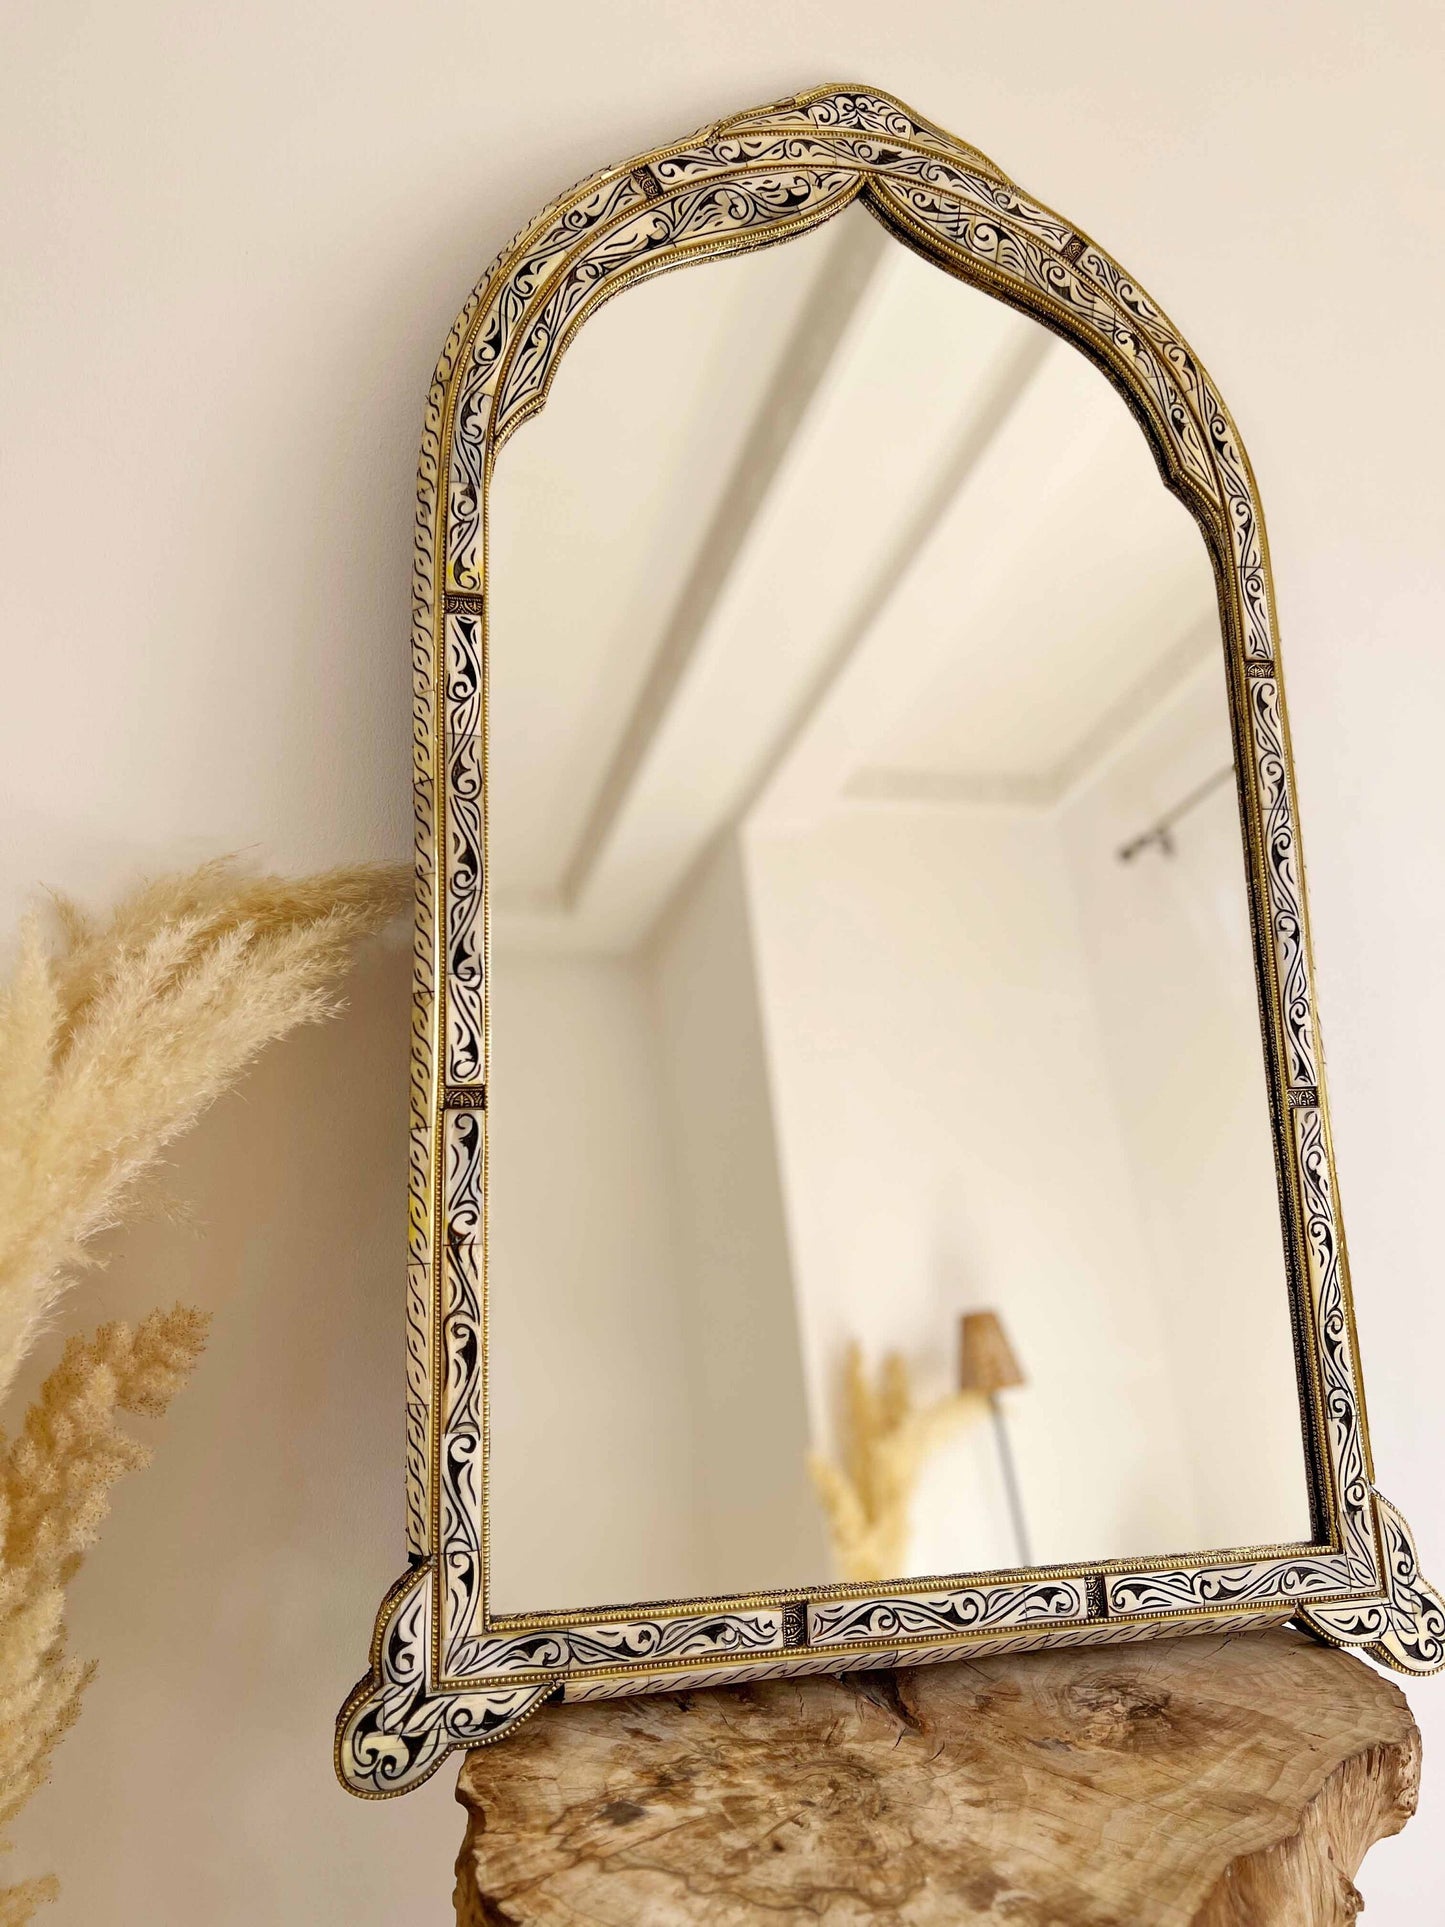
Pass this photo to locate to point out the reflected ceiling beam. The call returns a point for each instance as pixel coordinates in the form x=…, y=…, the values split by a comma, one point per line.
x=842, y=282
x=949, y=789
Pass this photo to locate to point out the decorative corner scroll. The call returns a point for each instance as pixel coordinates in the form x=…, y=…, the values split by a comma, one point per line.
x=1405, y=1629
x=393, y=1732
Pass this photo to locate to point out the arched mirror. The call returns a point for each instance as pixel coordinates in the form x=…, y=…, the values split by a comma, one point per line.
x=871, y=1187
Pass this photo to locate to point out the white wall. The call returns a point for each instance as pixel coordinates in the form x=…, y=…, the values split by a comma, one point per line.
x=758, y=1517
x=648, y=1427
x=235, y=240
x=1168, y=956
x=591, y=1473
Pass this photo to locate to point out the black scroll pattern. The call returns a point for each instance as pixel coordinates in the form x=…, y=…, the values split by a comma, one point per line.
x=855, y=110
x=463, y=724
x=1038, y=1638
x=464, y=673
x=1245, y=524
x=737, y=149
x=529, y=263
x=970, y=1609
x=464, y=1144
x=987, y=236
x=629, y=1642
x=1245, y=1583
x=1335, y=1348
x=461, y=1554
x=1286, y=897
x=465, y=928
x=713, y=211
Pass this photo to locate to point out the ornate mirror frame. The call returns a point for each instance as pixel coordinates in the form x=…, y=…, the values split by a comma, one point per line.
x=444, y=1672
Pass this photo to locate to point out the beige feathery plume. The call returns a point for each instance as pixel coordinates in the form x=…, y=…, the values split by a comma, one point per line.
x=115, y=1040
x=115, y=1035
x=55, y=1481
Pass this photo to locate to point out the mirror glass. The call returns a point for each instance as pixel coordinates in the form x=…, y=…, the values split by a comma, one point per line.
x=881, y=1180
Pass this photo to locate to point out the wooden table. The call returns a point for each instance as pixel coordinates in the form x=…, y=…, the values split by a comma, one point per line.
x=1213, y=1782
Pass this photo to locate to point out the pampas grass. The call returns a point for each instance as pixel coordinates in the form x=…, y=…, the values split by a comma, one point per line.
x=55, y=1481
x=115, y=1035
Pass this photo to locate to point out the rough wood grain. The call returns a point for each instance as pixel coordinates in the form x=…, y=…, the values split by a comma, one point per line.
x=1213, y=1782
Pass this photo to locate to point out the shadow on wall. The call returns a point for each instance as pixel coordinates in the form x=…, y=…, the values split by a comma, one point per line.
x=228, y=1599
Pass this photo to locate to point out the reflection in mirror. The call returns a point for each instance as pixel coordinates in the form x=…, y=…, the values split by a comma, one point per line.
x=880, y=1170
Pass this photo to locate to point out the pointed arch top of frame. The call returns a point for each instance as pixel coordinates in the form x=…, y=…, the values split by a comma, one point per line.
x=762, y=177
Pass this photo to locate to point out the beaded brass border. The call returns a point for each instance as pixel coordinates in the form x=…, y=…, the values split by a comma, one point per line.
x=444, y=1673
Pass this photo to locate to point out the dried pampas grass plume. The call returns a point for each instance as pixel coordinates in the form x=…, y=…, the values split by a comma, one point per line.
x=55, y=1481
x=114, y=1039
x=115, y=1035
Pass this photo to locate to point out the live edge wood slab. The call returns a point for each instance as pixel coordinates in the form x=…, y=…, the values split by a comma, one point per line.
x=1213, y=1782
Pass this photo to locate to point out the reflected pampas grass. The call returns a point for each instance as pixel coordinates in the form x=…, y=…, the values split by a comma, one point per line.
x=887, y=1440
x=115, y=1035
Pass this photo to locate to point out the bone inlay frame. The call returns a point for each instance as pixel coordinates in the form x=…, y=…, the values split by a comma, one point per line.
x=445, y=1674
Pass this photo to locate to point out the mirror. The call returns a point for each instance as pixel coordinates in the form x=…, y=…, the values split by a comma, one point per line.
x=870, y=1196
x=881, y=1179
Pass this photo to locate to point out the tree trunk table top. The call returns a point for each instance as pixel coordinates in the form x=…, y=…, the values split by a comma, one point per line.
x=1205, y=1781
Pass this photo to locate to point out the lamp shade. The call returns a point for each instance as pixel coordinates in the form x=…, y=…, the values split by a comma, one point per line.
x=986, y=1361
